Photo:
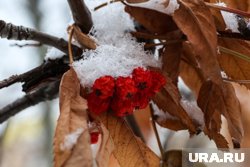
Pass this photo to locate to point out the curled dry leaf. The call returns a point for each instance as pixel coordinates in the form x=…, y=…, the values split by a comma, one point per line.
x=84, y=40
x=235, y=67
x=153, y=21
x=106, y=148
x=72, y=117
x=129, y=150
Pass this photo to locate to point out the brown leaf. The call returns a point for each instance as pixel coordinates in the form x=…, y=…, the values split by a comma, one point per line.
x=196, y=22
x=235, y=67
x=80, y=156
x=208, y=103
x=147, y=17
x=73, y=117
x=233, y=115
x=171, y=58
x=189, y=69
x=129, y=150
x=168, y=100
x=219, y=140
x=106, y=148
x=84, y=40
x=218, y=20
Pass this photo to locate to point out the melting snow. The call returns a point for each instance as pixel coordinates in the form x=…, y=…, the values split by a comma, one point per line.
x=71, y=139
x=53, y=53
x=230, y=19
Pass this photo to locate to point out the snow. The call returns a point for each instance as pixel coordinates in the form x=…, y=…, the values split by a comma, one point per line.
x=230, y=19
x=117, y=52
x=71, y=139
x=190, y=107
x=53, y=53
x=160, y=6
x=223, y=74
x=161, y=114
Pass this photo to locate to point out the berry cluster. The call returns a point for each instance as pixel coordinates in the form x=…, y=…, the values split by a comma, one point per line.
x=124, y=94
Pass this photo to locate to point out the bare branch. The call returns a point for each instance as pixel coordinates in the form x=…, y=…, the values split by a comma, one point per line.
x=81, y=15
x=45, y=92
x=46, y=71
x=13, y=32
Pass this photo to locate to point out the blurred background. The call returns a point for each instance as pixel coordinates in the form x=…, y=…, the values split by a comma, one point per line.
x=26, y=139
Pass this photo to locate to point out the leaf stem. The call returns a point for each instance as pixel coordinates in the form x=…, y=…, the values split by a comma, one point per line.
x=234, y=53
x=71, y=32
x=227, y=9
x=155, y=130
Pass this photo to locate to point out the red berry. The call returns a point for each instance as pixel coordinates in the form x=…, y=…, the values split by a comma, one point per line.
x=96, y=104
x=125, y=88
x=94, y=137
x=158, y=81
x=104, y=87
x=122, y=107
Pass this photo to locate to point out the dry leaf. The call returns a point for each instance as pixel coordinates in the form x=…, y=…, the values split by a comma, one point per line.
x=218, y=20
x=72, y=117
x=189, y=69
x=196, y=22
x=233, y=115
x=80, y=156
x=154, y=21
x=168, y=100
x=235, y=67
x=171, y=58
x=84, y=40
x=129, y=150
x=106, y=148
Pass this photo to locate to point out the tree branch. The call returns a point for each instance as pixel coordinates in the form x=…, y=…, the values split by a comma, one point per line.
x=81, y=15
x=45, y=92
x=13, y=32
x=46, y=71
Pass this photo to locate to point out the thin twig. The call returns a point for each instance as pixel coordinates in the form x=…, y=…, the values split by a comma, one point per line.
x=45, y=92
x=13, y=32
x=236, y=81
x=234, y=53
x=155, y=130
x=228, y=9
x=105, y=4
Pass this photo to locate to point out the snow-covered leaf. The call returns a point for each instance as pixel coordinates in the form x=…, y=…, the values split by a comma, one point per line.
x=72, y=135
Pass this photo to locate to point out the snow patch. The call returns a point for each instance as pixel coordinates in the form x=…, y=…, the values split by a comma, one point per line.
x=230, y=19
x=53, y=53
x=117, y=53
x=160, y=6
x=71, y=139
